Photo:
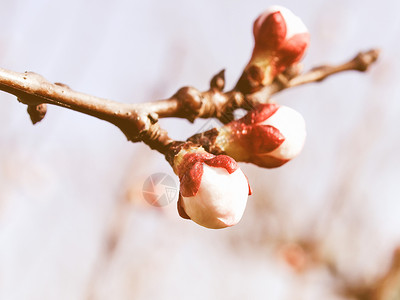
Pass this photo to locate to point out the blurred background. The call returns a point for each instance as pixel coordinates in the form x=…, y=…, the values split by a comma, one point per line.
x=73, y=220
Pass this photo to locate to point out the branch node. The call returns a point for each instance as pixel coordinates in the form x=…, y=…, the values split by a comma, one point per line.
x=153, y=117
x=37, y=112
x=218, y=81
x=207, y=141
x=190, y=102
x=364, y=59
x=235, y=100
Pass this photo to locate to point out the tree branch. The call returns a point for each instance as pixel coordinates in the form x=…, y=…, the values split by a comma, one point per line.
x=139, y=122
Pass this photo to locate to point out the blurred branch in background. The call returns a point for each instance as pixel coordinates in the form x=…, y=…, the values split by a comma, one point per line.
x=389, y=287
x=385, y=288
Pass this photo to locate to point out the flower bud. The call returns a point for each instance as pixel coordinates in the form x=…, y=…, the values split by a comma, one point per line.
x=213, y=189
x=269, y=136
x=280, y=40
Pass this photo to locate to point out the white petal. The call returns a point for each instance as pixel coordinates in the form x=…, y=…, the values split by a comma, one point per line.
x=221, y=199
x=292, y=126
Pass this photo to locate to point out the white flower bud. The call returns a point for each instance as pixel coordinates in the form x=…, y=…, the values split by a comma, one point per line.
x=294, y=25
x=220, y=200
x=268, y=136
x=213, y=189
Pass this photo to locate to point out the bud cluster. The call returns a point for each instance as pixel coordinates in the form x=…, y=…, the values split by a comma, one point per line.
x=213, y=189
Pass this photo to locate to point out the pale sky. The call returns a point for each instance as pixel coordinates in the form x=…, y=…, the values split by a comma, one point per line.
x=61, y=180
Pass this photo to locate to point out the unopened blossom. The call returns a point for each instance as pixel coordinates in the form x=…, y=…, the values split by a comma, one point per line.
x=269, y=136
x=280, y=40
x=213, y=189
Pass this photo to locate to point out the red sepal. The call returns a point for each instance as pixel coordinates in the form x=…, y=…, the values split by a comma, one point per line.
x=223, y=161
x=269, y=32
x=181, y=210
x=191, y=170
x=267, y=161
x=260, y=113
x=248, y=184
x=265, y=138
x=292, y=51
x=190, y=179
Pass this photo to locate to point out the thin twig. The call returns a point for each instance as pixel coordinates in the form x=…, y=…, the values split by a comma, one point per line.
x=361, y=62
